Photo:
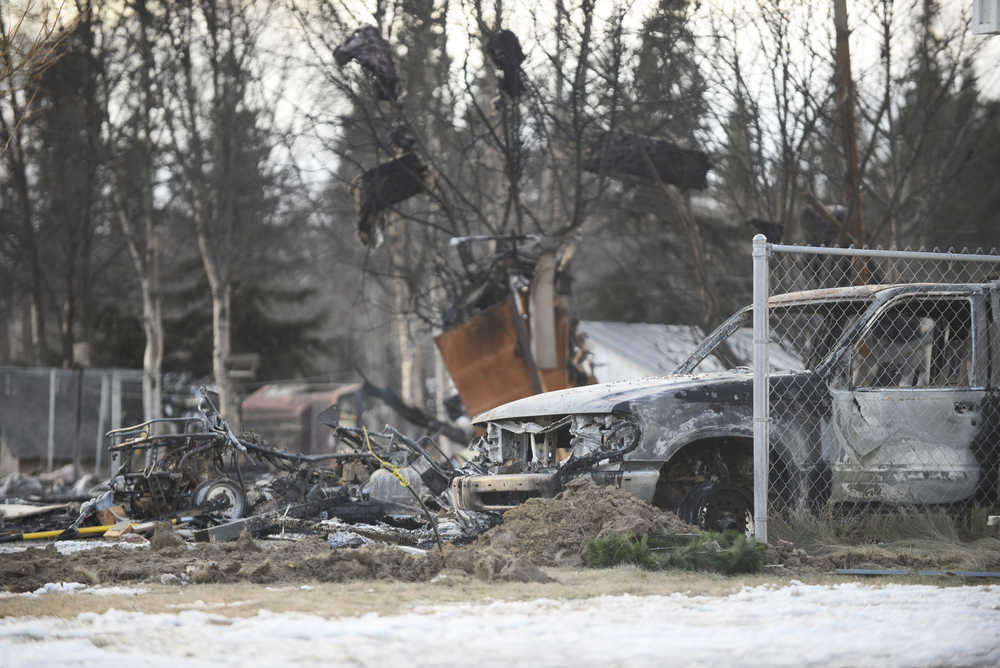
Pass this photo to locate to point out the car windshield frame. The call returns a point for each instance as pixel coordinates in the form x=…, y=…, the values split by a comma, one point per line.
x=743, y=318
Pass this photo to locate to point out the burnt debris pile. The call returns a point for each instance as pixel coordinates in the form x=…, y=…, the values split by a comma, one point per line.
x=213, y=506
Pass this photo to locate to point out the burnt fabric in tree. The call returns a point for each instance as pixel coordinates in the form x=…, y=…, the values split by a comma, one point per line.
x=375, y=57
x=505, y=51
x=626, y=154
x=385, y=185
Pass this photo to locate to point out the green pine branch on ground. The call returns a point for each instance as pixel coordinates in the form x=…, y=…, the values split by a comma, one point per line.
x=729, y=552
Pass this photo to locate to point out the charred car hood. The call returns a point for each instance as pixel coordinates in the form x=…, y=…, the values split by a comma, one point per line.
x=605, y=398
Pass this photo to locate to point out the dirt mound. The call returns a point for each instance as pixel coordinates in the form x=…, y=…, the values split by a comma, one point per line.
x=164, y=537
x=375, y=561
x=553, y=532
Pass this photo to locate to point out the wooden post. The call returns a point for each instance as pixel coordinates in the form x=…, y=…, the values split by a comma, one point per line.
x=845, y=101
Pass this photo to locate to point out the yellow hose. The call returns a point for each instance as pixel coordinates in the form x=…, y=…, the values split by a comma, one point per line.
x=83, y=531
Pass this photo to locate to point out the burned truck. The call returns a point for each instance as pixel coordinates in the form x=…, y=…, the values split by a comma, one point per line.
x=885, y=394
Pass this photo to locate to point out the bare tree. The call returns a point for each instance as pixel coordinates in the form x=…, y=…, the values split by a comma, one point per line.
x=32, y=34
x=919, y=108
x=210, y=118
x=783, y=150
x=134, y=155
x=771, y=99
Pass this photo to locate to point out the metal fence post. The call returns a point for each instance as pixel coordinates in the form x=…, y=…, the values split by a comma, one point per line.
x=116, y=411
x=102, y=411
x=52, y=420
x=760, y=387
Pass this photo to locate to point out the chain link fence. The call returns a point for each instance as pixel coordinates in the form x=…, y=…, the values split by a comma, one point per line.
x=50, y=416
x=886, y=396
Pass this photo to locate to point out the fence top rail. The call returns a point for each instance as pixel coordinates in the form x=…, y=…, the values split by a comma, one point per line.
x=873, y=252
x=126, y=374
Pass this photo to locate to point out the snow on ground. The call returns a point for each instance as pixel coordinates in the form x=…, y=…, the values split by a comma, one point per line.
x=798, y=625
x=71, y=546
x=76, y=588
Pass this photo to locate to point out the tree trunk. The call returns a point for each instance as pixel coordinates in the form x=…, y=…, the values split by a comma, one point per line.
x=68, y=317
x=221, y=301
x=152, y=358
x=403, y=341
x=147, y=267
x=409, y=368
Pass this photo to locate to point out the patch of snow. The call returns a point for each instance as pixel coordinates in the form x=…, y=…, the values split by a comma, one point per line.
x=71, y=546
x=201, y=605
x=77, y=588
x=288, y=536
x=796, y=625
x=57, y=588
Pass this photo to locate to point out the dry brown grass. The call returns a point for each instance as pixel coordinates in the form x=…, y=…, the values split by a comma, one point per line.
x=928, y=539
x=387, y=598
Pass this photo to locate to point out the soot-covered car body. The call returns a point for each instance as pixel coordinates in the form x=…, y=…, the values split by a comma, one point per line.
x=879, y=396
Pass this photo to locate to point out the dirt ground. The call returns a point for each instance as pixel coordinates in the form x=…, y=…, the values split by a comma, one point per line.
x=538, y=544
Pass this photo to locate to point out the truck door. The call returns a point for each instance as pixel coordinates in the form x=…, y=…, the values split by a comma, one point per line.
x=902, y=431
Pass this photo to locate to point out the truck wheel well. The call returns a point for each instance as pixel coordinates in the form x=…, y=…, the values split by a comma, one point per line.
x=725, y=459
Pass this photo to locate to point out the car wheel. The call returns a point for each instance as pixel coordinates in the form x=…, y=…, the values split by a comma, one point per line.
x=718, y=506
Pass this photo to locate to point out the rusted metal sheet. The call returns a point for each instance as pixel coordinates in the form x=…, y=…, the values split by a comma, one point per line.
x=485, y=359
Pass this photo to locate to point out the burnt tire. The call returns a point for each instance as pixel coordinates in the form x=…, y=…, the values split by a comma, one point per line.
x=718, y=506
x=222, y=496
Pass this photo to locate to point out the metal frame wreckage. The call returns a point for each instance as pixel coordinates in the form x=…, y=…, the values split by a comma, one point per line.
x=195, y=471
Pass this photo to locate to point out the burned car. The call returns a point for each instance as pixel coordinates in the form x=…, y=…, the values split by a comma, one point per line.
x=882, y=394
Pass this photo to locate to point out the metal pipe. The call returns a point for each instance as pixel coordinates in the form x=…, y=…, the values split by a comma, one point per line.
x=102, y=410
x=760, y=386
x=871, y=252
